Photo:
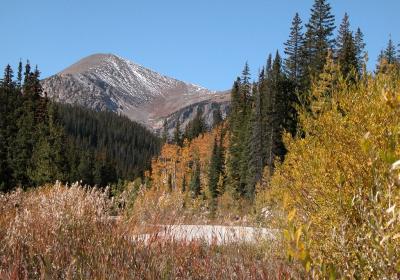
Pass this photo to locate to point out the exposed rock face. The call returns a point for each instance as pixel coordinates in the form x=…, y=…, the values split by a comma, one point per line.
x=109, y=82
x=189, y=112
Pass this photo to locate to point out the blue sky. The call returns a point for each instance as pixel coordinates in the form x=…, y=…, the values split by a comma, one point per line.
x=202, y=41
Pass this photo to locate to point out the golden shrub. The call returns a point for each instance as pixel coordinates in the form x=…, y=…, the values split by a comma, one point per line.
x=337, y=176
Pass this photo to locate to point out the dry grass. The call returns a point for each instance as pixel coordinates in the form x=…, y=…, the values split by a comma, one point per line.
x=65, y=232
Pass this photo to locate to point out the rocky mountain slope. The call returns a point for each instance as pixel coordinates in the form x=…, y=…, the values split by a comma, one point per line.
x=109, y=82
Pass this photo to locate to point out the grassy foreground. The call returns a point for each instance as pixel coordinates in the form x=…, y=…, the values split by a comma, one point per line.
x=60, y=232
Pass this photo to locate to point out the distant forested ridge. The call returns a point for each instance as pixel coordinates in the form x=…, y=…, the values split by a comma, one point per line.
x=127, y=145
x=41, y=142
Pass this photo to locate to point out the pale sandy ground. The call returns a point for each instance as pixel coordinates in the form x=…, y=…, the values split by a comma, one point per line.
x=211, y=234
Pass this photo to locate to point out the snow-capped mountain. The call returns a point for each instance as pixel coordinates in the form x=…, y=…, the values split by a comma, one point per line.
x=110, y=82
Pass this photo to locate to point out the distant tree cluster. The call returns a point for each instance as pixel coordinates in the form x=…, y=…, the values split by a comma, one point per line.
x=389, y=56
x=264, y=110
x=260, y=113
x=42, y=142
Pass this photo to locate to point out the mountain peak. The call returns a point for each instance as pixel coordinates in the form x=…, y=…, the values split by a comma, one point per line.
x=87, y=63
x=110, y=82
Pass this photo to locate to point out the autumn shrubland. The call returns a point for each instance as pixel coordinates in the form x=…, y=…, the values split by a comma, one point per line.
x=66, y=232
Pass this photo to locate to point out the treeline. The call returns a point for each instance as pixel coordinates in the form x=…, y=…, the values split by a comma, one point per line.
x=42, y=142
x=262, y=111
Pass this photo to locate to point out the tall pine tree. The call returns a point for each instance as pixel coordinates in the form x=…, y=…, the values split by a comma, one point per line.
x=256, y=153
x=390, y=53
x=318, y=39
x=360, y=48
x=293, y=47
x=177, y=133
x=234, y=149
x=346, y=51
x=19, y=75
x=215, y=169
x=195, y=185
x=277, y=105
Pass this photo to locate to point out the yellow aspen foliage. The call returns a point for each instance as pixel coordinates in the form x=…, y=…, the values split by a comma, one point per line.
x=175, y=165
x=340, y=177
x=326, y=83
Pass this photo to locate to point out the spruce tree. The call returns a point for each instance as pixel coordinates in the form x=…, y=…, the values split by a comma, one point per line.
x=318, y=39
x=215, y=169
x=27, y=72
x=390, y=54
x=360, y=48
x=177, y=133
x=245, y=85
x=27, y=135
x=293, y=47
x=19, y=75
x=10, y=110
x=195, y=185
x=277, y=107
x=234, y=149
x=7, y=82
x=346, y=51
x=256, y=153
x=343, y=32
x=268, y=66
x=244, y=129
